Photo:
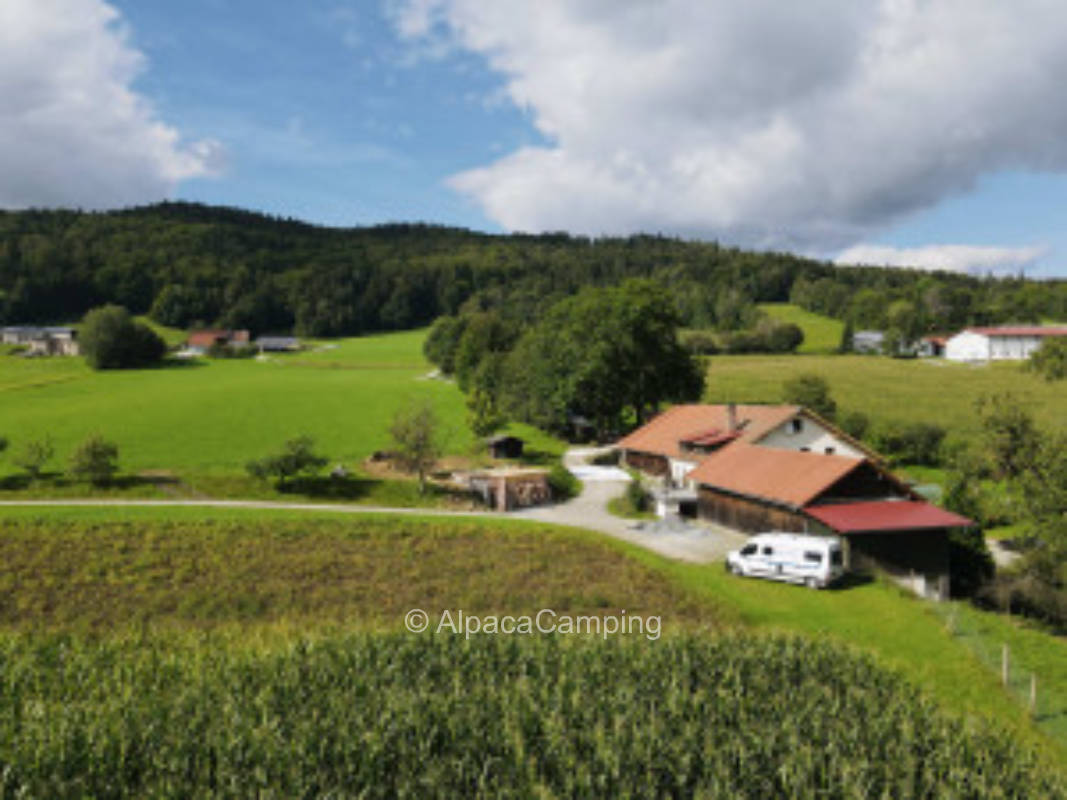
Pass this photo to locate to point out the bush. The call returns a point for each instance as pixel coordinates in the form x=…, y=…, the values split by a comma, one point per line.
x=912, y=443
x=699, y=343
x=636, y=496
x=811, y=391
x=563, y=483
x=34, y=455
x=296, y=458
x=1050, y=359
x=95, y=460
x=855, y=424
x=111, y=339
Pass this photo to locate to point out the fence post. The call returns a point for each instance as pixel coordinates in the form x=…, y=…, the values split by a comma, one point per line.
x=1033, y=693
x=1004, y=664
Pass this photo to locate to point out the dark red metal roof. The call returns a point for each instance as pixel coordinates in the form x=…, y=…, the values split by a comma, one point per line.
x=886, y=515
x=1022, y=330
x=712, y=437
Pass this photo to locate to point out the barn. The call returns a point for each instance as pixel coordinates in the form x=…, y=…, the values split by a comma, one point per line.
x=1014, y=342
x=784, y=468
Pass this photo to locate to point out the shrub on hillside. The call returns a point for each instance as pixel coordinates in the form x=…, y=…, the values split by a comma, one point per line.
x=563, y=483
x=95, y=460
x=911, y=443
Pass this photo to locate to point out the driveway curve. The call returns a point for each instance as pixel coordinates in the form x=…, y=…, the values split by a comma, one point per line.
x=699, y=544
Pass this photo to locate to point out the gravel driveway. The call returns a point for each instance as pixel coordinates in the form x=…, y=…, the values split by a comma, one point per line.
x=697, y=543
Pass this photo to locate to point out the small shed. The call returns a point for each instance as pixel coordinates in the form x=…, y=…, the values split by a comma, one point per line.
x=505, y=446
x=507, y=489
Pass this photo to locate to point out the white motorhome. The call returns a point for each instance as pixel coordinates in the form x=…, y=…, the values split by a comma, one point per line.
x=815, y=561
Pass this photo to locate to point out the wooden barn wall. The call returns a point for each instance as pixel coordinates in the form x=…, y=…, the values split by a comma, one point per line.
x=747, y=515
x=648, y=463
x=901, y=553
x=863, y=482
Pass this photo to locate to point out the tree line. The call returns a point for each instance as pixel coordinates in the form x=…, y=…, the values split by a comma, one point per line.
x=189, y=265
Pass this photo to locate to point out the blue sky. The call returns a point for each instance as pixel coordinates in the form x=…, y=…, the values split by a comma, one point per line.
x=864, y=130
x=323, y=112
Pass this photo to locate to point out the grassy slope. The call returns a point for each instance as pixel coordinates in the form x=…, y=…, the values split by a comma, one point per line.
x=315, y=568
x=821, y=334
x=905, y=390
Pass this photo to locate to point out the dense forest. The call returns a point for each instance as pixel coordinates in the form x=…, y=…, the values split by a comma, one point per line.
x=188, y=265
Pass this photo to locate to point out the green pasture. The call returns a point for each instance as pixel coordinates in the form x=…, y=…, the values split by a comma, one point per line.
x=204, y=419
x=889, y=389
x=821, y=334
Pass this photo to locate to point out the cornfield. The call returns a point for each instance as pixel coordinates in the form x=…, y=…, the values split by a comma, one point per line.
x=391, y=715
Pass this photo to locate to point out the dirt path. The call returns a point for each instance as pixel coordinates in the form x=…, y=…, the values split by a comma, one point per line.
x=697, y=544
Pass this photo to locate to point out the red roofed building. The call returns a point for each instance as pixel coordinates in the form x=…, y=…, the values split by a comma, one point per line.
x=205, y=340
x=1008, y=342
x=783, y=468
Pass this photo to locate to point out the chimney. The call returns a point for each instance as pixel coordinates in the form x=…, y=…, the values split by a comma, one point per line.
x=731, y=417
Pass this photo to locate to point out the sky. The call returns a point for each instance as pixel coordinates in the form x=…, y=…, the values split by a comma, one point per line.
x=894, y=132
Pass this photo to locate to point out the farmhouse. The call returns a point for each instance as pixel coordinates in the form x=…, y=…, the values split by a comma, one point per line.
x=1015, y=342
x=761, y=468
x=46, y=341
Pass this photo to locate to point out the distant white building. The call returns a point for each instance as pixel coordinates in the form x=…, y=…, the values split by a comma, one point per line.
x=1010, y=342
x=868, y=341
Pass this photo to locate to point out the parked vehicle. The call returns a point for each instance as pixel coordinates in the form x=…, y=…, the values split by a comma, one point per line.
x=816, y=561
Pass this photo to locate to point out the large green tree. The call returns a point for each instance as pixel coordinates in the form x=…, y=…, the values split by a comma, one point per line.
x=611, y=355
x=110, y=338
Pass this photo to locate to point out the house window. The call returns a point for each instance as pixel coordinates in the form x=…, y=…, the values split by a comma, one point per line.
x=797, y=425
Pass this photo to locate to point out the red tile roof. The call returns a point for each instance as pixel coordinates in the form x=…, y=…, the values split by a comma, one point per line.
x=1021, y=330
x=886, y=515
x=789, y=477
x=662, y=435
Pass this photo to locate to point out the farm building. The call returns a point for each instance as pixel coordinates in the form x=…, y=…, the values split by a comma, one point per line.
x=762, y=468
x=505, y=446
x=505, y=488
x=868, y=341
x=278, y=344
x=1016, y=342
x=202, y=341
x=43, y=341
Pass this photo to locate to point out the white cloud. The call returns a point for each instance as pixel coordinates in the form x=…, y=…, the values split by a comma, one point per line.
x=73, y=132
x=805, y=125
x=949, y=257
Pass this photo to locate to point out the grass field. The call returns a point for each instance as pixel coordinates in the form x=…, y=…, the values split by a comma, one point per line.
x=887, y=389
x=202, y=421
x=821, y=334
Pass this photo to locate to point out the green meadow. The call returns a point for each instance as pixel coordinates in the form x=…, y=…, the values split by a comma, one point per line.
x=201, y=421
x=821, y=334
x=889, y=389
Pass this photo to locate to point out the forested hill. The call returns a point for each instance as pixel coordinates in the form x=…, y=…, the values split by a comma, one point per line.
x=189, y=264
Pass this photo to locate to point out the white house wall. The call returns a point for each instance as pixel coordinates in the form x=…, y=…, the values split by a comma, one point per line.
x=679, y=470
x=811, y=436
x=1015, y=348
x=968, y=346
